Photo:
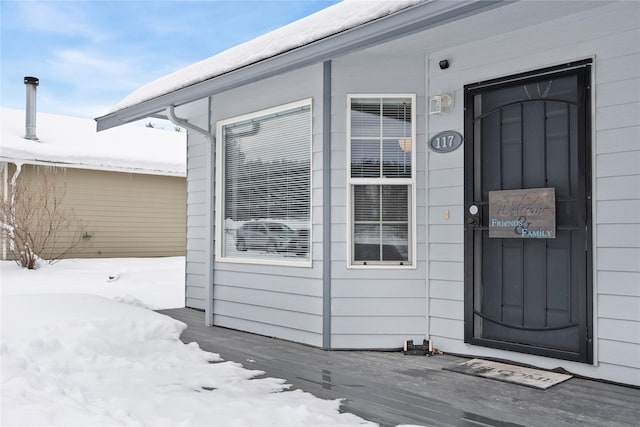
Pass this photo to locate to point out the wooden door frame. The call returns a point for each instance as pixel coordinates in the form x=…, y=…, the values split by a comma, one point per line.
x=584, y=134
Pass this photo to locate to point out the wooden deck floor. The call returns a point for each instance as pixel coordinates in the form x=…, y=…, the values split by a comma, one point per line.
x=390, y=388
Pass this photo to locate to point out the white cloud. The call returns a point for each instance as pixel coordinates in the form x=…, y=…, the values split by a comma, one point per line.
x=88, y=63
x=59, y=17
x=84, y=71
x=85, y=83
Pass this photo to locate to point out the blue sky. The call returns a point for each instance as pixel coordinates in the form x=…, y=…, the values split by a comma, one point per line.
x=89, y=54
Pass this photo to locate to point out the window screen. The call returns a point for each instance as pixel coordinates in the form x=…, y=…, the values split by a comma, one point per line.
x=381, y=179
x=267, y=186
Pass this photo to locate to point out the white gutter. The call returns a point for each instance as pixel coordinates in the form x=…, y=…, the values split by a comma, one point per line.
x=209, y=224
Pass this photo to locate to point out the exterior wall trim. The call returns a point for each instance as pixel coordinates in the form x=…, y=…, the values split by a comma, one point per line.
x=326, y=206
x=210, y=194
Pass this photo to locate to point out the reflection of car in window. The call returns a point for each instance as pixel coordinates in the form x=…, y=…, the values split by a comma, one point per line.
x=272, y=237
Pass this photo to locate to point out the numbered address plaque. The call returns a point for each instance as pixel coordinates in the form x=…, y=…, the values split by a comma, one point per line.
x=446, y=141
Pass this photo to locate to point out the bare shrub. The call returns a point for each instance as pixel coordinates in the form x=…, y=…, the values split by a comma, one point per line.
x=36, y=222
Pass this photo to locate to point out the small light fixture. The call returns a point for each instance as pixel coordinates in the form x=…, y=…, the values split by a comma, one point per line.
x=440, y=104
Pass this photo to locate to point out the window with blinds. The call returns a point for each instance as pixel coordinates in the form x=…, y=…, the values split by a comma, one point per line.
x=381, y=179
x=266, y=185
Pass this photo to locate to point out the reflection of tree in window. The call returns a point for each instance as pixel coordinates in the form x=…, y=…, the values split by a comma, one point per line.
x=267, y=169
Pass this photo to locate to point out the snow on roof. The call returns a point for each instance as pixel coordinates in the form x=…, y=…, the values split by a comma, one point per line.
x=327, y=22
x=74, y=142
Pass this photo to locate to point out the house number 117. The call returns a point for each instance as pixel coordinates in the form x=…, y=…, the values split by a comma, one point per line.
x=442, y=142
x=446, y=141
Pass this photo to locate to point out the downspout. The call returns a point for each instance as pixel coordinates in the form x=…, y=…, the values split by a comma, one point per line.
x=5, y=200
x=185, y=124
x=209, y=255
x=9, y=222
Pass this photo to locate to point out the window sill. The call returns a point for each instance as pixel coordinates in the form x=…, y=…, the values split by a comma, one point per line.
x=265, y=262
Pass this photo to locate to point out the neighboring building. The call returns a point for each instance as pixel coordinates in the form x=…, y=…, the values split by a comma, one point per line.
x=333, y=126
x=126, y=186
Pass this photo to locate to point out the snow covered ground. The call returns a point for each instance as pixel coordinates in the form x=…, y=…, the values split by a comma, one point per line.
x=81, y=347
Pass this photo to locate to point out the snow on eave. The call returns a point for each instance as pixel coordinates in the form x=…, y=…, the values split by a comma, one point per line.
x=325, y=23
x=140, y=171
x=72, y=142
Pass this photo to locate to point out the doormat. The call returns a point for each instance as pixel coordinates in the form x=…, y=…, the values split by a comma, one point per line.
x=529, y=377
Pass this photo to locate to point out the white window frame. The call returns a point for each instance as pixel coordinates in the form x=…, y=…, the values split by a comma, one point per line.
x=220, y=187
x=411, y=182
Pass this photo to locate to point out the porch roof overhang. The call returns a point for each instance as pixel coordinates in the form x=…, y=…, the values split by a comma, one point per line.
x=409, y=20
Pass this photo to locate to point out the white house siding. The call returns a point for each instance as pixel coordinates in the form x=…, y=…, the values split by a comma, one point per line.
x=610, y=34
x=370, y=307
x=279, y=301
x=380, y=308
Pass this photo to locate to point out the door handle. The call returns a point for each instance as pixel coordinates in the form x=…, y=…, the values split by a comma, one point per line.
x=473, y=218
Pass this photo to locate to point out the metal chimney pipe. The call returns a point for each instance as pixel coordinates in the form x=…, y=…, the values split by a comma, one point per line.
x=30, y=125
